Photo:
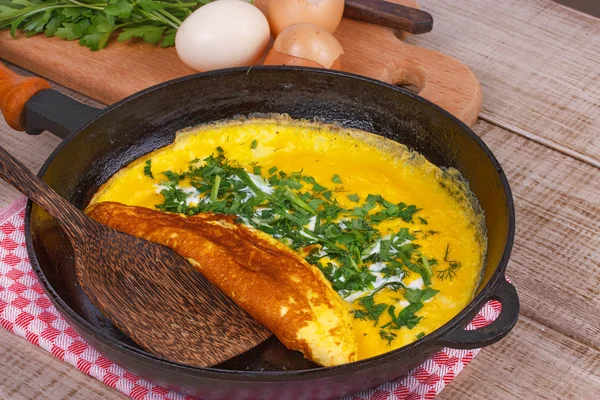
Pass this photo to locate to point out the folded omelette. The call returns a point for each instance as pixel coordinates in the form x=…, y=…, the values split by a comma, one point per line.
x=271, y=282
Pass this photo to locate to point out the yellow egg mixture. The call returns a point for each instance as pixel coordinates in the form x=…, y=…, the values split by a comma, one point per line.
x=366, y=164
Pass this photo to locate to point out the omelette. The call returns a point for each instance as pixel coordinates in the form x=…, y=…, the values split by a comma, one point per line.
x=344, y=244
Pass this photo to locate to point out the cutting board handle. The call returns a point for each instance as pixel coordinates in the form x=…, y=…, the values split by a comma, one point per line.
x=15, y=91
x=439, y=78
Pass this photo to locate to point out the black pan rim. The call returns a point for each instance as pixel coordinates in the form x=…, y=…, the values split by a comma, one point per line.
x=278, y=376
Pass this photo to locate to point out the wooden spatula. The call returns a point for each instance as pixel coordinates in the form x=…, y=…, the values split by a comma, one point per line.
x=149, y=292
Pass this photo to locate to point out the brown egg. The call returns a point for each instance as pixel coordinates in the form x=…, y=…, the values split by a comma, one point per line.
x=284, y=13
x=306, y=45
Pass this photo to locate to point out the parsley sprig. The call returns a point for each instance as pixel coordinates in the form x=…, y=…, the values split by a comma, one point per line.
x=453, y=266
x=406, y=317
x=93, y=22
x=148, y=169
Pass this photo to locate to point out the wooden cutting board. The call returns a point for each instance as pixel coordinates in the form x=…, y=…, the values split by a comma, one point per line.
x=124, y=68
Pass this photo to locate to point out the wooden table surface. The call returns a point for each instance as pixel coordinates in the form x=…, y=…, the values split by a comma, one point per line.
x=539, y=66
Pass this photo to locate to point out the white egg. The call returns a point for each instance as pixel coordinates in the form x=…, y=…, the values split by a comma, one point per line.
x=223, y=34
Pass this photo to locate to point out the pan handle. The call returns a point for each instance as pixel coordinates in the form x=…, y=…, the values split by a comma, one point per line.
x=459, y=338
x=29, y=104
x=15, y=92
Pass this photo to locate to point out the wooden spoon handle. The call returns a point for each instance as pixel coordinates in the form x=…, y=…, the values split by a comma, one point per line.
x=388, y=14
x=15, y=173
x=15, y=91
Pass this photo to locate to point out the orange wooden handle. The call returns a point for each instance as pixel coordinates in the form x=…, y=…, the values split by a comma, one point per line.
x=440, y=78
x=15, y=91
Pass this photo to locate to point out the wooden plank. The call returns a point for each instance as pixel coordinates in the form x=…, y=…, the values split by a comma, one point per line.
x=538, y=64
x=30, y=372
x=556, y=257
x=533, y=362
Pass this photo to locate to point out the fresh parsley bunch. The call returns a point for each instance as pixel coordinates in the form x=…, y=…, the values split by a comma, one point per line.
x=94, y=22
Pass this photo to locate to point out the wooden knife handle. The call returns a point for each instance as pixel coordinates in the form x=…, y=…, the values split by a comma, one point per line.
x=439, y=78
x=384, y=13
x=15, y=91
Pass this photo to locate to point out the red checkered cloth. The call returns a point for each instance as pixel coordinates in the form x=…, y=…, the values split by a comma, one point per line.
x=26, y=311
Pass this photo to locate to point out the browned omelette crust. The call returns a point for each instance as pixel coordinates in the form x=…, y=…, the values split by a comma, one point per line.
x=263, y=276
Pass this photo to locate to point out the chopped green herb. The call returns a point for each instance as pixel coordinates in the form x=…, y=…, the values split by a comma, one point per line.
x=336, y=179
x=420, y=335
x=387, y=335
x=297, y=201
x=148, y=169
x=393, y=211
x=254, y=144
x=423, y=221
x=403, y=235
x=384, y=250
x=450, y=272
x=353, y=197
x=406, y=317
x=426, y=234
x=172, y=176
x=272, y=170
x=418, y=295
x=426, y=268
x=318, y=188
x=290, y=183
x=215, y=189
x=370, y=311
x=453, y=267
x=174, y=199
